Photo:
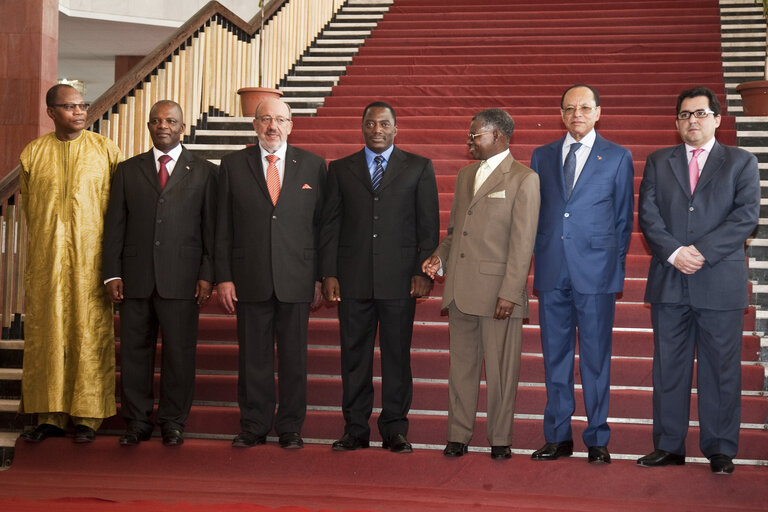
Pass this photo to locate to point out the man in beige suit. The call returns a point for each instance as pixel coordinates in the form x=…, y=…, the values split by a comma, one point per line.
x=486, y=256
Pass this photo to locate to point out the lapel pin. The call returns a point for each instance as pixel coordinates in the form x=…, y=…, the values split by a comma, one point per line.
x=294, y=161
x=306, y=187
x=599, y=157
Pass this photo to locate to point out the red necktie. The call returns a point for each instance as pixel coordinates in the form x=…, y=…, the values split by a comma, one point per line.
x=162, y=174
x=693, y=168
x=273, y=178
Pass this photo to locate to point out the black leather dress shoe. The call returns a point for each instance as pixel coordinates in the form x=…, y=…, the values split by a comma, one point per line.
x=133, y=437
x=291, y=441
x=500, y=452
x=397, y=443
x=551, y=451
x=661, y=458
x=248, y=439
x=721, y=464
x=173, y=437
x=454, y=449
x=42, y=432
x=84, y=434
x=348, y=442
x=598, y=455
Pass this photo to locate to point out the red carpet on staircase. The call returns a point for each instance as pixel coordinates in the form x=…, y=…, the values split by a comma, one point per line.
x=438, y=62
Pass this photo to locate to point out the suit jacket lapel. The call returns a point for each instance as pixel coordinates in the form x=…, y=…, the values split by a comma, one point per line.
x=678, y=161
x=254, y=162
x=290, y=175
x=149, y=170
x=715, y=161
x=360, y=170
x=557, y=155
x=493, y=179
x=394, y=167
x=180, y=170
x=590, y=166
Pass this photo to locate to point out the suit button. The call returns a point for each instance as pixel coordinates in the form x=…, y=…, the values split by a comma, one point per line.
x=375, y=217
x=464, y=233
x=157, y=242
x=161, y=200
x=691, y=208
x=469, y=212
x=461, y=255
x=567, y=215
x=375, y=198
x=159, y=221
x=375, y=235
x=274, y=217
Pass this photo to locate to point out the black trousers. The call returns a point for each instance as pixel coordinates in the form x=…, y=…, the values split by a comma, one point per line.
x=261, y=325
x=358, y=321
x=140, y=320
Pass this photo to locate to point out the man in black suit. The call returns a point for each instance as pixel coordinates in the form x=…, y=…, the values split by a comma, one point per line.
x=158, y=264
x=699, y=202
x=381, y=222
x=270, y=203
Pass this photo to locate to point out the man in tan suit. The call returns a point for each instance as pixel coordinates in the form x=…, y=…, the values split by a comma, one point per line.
x=486, y=256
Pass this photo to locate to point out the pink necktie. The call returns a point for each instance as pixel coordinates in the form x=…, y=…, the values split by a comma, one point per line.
x=162, y=174
x=693, y=168
x=273, y=178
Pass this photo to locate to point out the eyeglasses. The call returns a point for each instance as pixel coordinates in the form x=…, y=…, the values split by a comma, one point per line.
x=699, y=114
x=584, y=110
x=70, y=107
x=265, y=120
x=473, y=136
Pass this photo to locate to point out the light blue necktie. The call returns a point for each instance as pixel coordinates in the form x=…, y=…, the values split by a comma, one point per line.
x=378, y=172
x=569, y=168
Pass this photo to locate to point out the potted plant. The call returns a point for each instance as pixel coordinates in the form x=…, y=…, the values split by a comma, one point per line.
x=754, y=94
x=250, y=97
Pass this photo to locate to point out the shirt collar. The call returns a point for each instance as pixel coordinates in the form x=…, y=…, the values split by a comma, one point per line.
x=174, y=153
x=706, y=147
x=370, y=155
x=588, y=140
x=496, y=159
x=280, y=153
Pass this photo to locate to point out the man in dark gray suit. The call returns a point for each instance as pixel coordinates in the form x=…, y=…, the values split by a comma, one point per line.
x=699, y=202
x=270, y=203
x=381, y=222
x=158, y=264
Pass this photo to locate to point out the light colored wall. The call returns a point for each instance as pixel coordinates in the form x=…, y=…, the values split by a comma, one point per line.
x=168, y=13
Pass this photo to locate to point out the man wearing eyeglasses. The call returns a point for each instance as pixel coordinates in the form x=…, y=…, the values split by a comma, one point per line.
x=268, y=219
x=69, y=356
x=585, y=224
x=699, y=202
x=381, y=221
x=486, y=257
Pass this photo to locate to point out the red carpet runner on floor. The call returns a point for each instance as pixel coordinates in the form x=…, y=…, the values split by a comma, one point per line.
x=438, y=62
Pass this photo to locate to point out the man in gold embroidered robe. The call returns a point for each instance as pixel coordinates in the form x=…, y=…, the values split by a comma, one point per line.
x=69, y=352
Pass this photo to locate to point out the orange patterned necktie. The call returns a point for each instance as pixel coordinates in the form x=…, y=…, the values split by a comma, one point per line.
x=273, y=178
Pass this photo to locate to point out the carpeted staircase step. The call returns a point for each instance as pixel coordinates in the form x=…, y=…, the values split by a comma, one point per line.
x=323, y=391
x=429, y=429
x=433, y=365
x=215, y=330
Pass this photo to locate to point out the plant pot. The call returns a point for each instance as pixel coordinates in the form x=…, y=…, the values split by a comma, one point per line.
x=754, y=97
x=250, y=97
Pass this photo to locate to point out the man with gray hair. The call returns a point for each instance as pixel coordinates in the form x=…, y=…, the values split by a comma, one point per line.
x=486, y=257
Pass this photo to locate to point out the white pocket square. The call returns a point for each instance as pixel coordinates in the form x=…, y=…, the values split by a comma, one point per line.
x=497, y=195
